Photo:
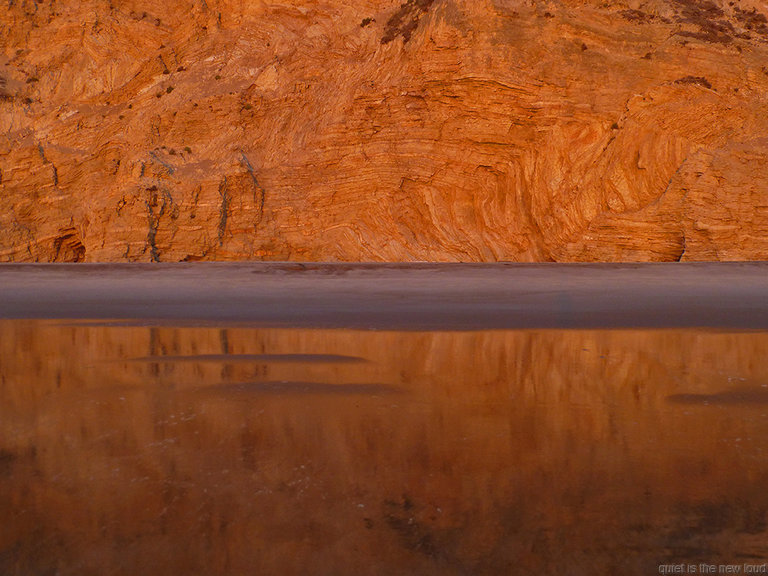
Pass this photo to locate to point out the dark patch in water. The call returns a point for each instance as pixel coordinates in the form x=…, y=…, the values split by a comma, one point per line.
x=415, y=535
x=263, y=358
x=6, y=461
x=291, y=388
x=727, y=397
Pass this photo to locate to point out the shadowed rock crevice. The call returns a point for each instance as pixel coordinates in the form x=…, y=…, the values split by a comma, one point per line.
x=68, y=246
x=683, y=245
x=158, y=203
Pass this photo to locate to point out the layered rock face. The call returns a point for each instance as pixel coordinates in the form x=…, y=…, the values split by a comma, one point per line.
x=450, y=130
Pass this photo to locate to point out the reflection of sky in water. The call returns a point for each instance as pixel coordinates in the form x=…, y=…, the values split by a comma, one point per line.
x=130, y=450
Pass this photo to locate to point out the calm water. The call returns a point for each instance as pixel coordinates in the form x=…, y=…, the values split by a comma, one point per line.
x=153, y=450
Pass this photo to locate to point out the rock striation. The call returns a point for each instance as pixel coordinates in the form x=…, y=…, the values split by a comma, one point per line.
x=448, y=130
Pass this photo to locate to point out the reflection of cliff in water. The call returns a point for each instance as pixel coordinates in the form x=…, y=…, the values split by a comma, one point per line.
x=447, y=453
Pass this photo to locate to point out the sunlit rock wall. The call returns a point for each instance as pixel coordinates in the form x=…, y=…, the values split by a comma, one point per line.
x=379, y=130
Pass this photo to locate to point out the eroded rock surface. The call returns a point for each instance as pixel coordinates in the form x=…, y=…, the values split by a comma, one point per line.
x=383, y=130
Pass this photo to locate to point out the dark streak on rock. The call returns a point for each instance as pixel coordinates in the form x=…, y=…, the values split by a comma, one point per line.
x=704, y=15
x=156, y=208
x=700, y=80
x=405, y=21
x=4, y=94
x=223, y=209
x=165, y=66
x=55, y=172
x=636, y=16
x=154, y=222
x=162, y=162
x=195, y=201
x=752, y=20
x=683, y=248
x=257, y=188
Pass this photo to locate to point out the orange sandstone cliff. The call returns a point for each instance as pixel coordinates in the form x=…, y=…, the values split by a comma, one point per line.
x=449, y=130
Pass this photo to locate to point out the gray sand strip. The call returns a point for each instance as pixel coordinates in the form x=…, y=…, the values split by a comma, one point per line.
x=394, y=296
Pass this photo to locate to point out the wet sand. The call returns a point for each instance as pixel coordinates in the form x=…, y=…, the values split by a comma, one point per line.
x=394, y=296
